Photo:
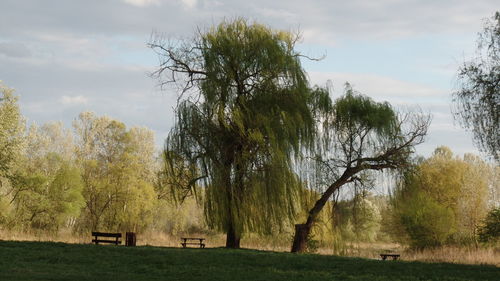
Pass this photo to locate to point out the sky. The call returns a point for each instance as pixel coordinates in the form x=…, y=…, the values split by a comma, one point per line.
x=65, y=56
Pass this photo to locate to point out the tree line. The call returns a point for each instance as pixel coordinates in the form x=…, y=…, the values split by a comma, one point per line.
x=101, y=175
x=98, y=176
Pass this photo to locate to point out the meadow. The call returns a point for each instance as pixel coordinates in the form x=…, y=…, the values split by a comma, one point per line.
x=470, y=255
x=60, y=261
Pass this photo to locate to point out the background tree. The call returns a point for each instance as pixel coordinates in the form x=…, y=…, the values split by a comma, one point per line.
x=478, y=98
x=117, y=174
x=12, y=138
x=46, y=187
x=490, y=228
x=475, y=190
x=12, y=128
x=358, y=219
x=243, y=120
x=47, y=203
x=51, y=176
x=359, y=135
x=443, y=200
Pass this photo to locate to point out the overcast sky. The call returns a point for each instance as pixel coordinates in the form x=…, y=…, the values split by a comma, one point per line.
x=65, y=56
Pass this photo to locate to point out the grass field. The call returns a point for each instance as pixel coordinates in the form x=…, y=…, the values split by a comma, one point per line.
x=446, y=254
x=59, y=261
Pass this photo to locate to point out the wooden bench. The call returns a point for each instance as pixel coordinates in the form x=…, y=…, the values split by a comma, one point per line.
x=186, y=239
x=393, y=256
x=116, y=241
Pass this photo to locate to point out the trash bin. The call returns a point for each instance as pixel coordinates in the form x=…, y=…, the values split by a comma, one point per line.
x=130, y=239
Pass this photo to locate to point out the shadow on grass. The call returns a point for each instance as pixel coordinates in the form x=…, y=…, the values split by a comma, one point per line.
x=60, y=261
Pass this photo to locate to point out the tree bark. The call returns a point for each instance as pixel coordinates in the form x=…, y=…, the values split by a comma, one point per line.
x=302, y=231
x=232, y=238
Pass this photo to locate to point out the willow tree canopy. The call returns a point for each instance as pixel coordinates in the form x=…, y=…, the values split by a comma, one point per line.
x=477, y=98
x=243, y=115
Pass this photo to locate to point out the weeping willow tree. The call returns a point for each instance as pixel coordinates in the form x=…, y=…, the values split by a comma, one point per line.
x=242, y=118
x=358, y=136
x=477, y=99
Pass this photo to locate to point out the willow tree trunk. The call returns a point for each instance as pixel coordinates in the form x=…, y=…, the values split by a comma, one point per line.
x=302, y=231
x=232, y=238
x=233, y=235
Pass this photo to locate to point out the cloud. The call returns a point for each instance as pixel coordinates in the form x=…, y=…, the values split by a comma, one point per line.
x=189, y=3
x=438, y=136
x=278, y=14
x=142, y=3
x=378, y=86
x=73, y=100
x=92, y=55
x=322, y=19
x=14, y=49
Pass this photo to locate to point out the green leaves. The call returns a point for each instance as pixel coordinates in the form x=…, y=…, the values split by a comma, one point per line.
x=355, y=110
x=11, y=131
x=490, y=230
x=46, y=201
x=117, y=167
x=444, y=199
x=65, y=192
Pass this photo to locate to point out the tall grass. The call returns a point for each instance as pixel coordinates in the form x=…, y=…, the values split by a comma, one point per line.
x=456, y=254
x=65, y=236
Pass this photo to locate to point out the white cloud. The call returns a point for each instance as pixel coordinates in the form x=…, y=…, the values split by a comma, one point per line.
x=79, y=53
x=14, y=49
x=189, y=3
x=279, y=14
x=378, y=86
x=73, y=100
x=142, y=3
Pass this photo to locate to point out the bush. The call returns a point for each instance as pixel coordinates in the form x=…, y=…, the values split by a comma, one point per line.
x=490, y=230
x=427, y=223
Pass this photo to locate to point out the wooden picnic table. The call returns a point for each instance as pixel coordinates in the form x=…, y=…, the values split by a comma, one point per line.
x=115, y=241
x=186, y=239
x=393, y=256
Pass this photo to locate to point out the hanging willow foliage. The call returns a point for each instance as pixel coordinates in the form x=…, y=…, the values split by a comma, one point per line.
x=477, y=97
x=244, y=116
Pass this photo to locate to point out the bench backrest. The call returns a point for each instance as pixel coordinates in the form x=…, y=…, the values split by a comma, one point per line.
x=104, y=234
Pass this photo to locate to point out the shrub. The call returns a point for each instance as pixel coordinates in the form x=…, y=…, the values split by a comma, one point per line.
x=490, y=230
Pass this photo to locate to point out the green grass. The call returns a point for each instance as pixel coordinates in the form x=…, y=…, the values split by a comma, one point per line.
x=59, y=261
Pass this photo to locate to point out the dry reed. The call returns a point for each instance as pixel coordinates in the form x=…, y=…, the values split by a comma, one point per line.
x=455, y=254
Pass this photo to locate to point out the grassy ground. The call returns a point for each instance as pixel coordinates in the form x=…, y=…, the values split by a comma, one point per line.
x=59, y=261
x=446, y=254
